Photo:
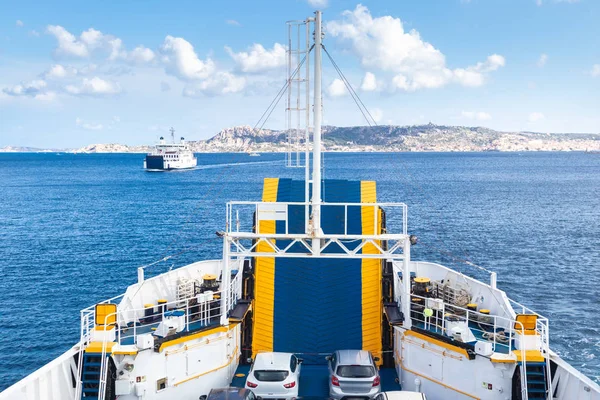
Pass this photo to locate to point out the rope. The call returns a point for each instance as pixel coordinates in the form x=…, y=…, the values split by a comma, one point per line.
x=280, y=94
x=351, y=90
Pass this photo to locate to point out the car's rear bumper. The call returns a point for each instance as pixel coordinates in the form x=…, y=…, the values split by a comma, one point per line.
x=337, y=393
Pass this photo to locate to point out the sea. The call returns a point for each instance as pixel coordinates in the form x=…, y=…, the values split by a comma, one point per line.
x=75, y=227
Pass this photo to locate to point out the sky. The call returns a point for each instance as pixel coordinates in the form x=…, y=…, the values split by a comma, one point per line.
x=74, y=73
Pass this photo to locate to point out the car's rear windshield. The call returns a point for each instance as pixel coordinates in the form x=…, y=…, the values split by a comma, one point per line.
x=271, y=376
x=355, y=371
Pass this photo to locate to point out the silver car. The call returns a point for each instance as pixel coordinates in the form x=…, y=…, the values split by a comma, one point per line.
x=353, y=375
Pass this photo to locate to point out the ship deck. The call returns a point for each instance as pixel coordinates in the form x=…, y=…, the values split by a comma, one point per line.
x=314, y=380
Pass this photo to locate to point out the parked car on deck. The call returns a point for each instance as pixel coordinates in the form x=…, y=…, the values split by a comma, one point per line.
x=353, y=374
x=400, y=395
x=229, y=393
x=275, y=376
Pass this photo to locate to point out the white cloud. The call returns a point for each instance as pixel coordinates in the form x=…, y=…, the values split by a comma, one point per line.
x=58, y=71
x=19, y=23
x=542, y=60
x=318, y=3
x=93, y=40
x=46, y=96
x=536, y=116
x=382, y=43
x=337, y=88
x=94, y=87
x=31, y=89
x=479, y=115
x=68, y=44
x=232, y=22
x=596, y=70
x=538, y=3
x=141, y=55
x=34, y=33
x=369, y=82
x=259, y=59
x=88, y=126
x=218, y=84
x=181, y=60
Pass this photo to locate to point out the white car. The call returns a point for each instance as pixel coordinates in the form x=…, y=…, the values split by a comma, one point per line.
x=400, y=396
x=275, y=376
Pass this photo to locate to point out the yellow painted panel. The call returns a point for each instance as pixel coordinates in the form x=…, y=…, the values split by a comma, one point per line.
x=104, y=310
x=371, y=273
x=530, y=355
x=264, y=281
x=96, y=347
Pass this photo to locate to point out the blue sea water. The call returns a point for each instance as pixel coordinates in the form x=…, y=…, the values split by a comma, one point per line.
x=74, y=228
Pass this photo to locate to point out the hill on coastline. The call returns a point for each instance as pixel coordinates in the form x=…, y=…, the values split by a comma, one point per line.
x=430, y=137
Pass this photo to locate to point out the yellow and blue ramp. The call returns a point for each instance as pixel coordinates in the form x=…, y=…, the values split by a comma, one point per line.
x=316, y=306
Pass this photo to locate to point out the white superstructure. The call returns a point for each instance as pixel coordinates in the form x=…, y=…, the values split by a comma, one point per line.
x=167, y=156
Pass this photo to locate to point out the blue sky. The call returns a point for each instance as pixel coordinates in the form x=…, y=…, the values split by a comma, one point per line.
x=74, y=73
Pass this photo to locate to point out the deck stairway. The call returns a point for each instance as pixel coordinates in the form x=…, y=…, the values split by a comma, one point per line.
x=91, y=374
x=535, y=375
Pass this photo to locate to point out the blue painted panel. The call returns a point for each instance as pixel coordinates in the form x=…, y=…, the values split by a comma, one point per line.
x=317, y=307
x=318, y=303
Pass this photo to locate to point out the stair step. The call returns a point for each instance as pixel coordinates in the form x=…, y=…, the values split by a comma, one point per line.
x=536, y=390
x=535, y=382
x=536, y=373
x=90, y=390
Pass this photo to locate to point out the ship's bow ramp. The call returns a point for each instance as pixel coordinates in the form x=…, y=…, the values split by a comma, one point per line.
x=314, y=306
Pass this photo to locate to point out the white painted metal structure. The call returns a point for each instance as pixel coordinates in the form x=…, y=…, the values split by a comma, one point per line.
x=189, y=365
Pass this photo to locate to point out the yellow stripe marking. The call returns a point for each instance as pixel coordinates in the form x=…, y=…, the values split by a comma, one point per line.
x=198, y=335
x=264, y=297
x=371, y=273
x=399, y=359
x=440, y=343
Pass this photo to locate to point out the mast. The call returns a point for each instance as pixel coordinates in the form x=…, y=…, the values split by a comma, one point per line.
x=316, y=178
x=172, y=135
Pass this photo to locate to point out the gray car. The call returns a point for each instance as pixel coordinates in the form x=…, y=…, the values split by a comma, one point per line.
x=353, y=375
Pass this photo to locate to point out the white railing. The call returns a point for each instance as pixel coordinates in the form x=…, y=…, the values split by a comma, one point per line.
x=488, y=326
x=240, y=215
x=198, y=314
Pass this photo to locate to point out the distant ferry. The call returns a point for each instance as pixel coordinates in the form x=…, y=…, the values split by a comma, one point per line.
x=167, y=156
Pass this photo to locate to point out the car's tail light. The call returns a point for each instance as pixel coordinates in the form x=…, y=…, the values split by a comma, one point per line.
x=376, y=381
x=335, y=381
x=290, y=385
x=251, y=384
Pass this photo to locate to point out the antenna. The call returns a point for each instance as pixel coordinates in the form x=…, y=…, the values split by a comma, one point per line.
x=316, y=176
x=172, y=134
x=298, y=92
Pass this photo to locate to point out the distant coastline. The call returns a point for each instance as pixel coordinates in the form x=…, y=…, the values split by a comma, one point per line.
x=386, y=138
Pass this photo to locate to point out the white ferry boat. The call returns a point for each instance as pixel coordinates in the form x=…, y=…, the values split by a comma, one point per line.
x=317, y=266
x=167, y=156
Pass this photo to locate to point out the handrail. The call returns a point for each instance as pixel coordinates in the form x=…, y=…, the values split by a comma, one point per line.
x=233, y=224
